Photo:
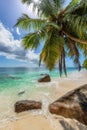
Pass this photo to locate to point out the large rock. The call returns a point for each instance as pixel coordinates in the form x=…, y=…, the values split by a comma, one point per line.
x=45, y=78
x=72, y=105
x=25, y=105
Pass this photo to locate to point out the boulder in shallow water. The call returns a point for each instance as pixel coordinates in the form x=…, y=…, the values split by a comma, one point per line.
x=72, y=105
x=45, y=78
x=25, y=105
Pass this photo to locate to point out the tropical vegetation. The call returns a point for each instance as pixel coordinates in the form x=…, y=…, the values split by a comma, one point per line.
x=62, y=28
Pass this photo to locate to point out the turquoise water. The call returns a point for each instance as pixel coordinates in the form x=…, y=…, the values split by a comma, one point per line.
x=13, y=78
x=16, y=80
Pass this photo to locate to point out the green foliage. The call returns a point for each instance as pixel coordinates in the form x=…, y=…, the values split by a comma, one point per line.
x=80, y=8
x=72, y=4
x=27, y=1
x=52, y=49
x=73, y=52
x=85, y=64
x=27, y=23
x=64, y=31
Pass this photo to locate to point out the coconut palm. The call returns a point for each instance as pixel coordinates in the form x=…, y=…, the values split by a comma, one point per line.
x=63, y=30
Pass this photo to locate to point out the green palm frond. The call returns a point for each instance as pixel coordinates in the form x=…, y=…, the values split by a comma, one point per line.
x=81, y=9
x=73, y=52
x=83, y=49
x=52, y=49
x=85, y=64
x=78, y=7
x=76, y=19
x=32, y=40
x=72, y=4
x=25, y=22
x=27, y=1
x=48, y=7
x=52, y=25
x=76, y=25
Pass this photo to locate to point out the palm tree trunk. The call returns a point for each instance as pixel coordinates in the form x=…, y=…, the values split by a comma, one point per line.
x=75, y=39
x=64, y=63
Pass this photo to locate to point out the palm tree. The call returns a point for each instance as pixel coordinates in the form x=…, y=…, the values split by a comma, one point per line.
x=63, y=30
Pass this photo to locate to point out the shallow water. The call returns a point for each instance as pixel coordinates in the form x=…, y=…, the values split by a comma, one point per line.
x=16, y=80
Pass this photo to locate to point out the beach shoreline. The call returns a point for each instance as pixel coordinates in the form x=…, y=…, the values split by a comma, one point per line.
x=43, y=120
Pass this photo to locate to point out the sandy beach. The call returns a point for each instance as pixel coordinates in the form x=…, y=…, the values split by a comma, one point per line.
x=47, y=121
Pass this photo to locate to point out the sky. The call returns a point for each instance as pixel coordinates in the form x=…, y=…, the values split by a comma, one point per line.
x=12, y=53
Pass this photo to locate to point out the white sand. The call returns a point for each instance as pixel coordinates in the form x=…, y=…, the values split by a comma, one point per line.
x=44, y=120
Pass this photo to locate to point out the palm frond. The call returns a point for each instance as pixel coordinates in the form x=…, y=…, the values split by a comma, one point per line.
x=76, y=25
x=77, y=7
x=32, y=40
x=81, y=9
x=27, y=1
x=25, y=22
x=51, y=51
x=85, y=64
x=73, y=52
x=76, y=19
x=72, y=4
x=47, y=8
x=83, y=49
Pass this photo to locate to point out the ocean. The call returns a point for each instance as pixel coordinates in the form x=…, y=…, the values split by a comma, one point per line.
x=25, y=80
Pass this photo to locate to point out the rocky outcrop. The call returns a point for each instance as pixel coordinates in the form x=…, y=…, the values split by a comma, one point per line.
x=44, y=78
x=25, y=105
x=72, y=105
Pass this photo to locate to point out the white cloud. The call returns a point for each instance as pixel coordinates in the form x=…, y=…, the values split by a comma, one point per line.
x=26, y=9
x=17, y=31
x=30, y=55
x=13, y=49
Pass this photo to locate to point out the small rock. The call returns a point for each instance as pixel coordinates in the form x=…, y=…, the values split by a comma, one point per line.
x=45, y=78
x=20, y=93
x=25, y=105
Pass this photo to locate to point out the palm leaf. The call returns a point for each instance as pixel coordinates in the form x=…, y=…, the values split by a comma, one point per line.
x=32, y=40
x=80, y=9
x=76, y=25
x=72, y=4
x=73, y=52
x=51, y=51
x=50, y=7
x=85, y=64
x=27, y=1
x=25, y=22
x=83, y=49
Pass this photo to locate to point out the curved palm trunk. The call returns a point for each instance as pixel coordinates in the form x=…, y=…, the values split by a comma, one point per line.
x=75, y=39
